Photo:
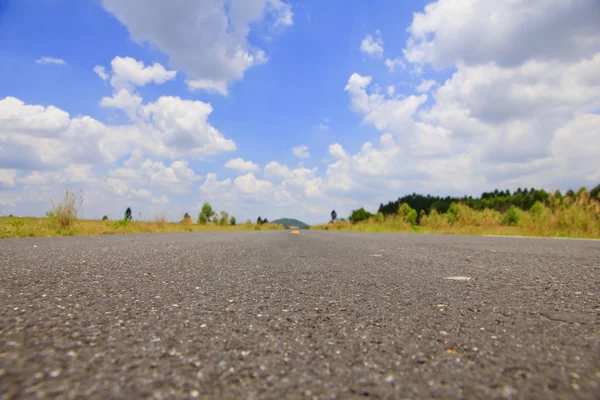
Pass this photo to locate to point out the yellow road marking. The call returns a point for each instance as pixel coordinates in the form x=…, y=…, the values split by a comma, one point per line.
x=295, y=232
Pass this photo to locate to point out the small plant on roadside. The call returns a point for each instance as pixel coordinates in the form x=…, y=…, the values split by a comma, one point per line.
x=105, y=218
x=66, y=211
x=232, y=221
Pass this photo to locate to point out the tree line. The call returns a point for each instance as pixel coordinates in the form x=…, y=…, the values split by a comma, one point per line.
x=414, y=206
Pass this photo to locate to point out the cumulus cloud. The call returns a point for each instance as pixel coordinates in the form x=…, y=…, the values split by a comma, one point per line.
x=301, y=151
x=211, y=40
x=50, y=60
x=127, y=73
x=372, y=45
x=479, y=32
x=240, y=165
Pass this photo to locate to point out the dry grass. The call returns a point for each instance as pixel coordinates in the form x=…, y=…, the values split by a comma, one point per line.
x=161, y=221
x=11, y=227
x=567, y=217
x=65, y=213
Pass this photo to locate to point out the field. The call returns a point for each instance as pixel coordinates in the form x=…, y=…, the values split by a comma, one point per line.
x=40, y=227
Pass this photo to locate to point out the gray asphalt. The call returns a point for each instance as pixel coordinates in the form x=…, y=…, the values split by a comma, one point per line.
x=325, y=315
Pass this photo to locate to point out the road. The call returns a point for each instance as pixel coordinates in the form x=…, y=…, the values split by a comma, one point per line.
x=326, y=315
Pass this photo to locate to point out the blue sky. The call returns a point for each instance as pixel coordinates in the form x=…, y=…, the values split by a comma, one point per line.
x=389, y=98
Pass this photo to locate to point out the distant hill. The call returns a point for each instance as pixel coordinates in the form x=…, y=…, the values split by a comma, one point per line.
x=290, y=222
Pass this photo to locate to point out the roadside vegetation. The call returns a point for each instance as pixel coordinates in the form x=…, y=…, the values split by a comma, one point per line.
x=530, y=213
x=62, y=219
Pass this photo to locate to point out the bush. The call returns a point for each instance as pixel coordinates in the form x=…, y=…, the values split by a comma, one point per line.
x=232, y=221
x=66, y=211
x=408, y=214
x=452, y=212
x=359, y=215
x=105, y=218
x=187, y=219
x=511, y=217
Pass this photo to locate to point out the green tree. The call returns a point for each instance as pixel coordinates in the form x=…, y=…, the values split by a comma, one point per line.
x=359, y=215
x=232, y=221
x=205, y=214
x=259, y=221
x=334, y=216
x=105, y=218
x=127, y=216
x=215, y=220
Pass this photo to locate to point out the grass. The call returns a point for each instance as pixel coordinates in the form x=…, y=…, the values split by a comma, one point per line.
x=11, y=227
x=566, y=217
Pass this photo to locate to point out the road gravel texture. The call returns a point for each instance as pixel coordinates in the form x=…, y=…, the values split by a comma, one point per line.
x=323, y=315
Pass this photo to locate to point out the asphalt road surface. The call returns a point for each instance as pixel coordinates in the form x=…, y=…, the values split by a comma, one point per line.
x=326, y=315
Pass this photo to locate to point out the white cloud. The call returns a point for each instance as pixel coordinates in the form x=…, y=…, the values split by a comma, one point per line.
x=239, y=164
x=101, y=72
x=324, y=126
x=283, y=12
x=128, y=73
x=211, y=40
x=50, y=60
x=180, y=127
x=7, y=177
x=426, y=85
x=392, y=64
x=208, y=85
x=124, y=100
x=507, y=33
x=301, y=151
x=274, y=170
x=33, y=136
x=373, y=46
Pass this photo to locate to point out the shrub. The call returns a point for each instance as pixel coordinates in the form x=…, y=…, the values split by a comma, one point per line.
x=408, y=214
x=232, y=221
x=452, y=212
x=105, y=218
x=187, y=219
x=66, y=211
x=215, y=220
x=510, y=217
